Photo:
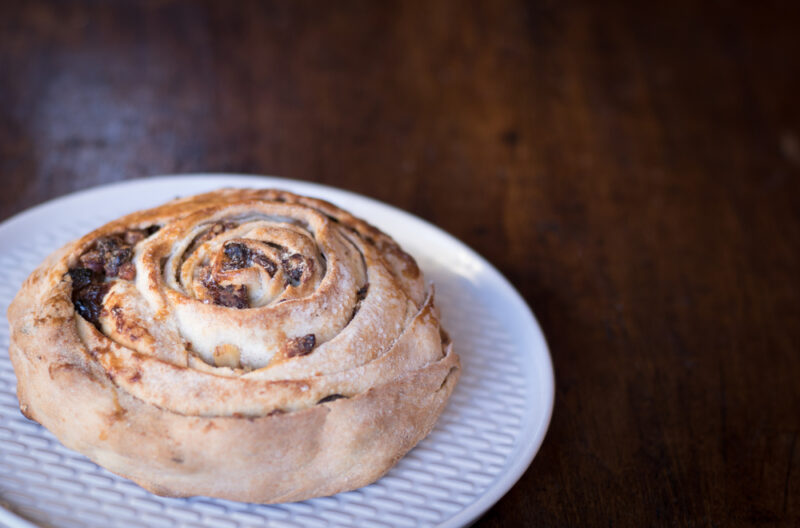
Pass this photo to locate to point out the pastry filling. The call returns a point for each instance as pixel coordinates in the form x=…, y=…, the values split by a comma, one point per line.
x=108, y=258
x=361, y=294
x=293, y=264
x=232, y=296
x=239, y=256
x=88, y=291
x=332, y=397
x=300, y=346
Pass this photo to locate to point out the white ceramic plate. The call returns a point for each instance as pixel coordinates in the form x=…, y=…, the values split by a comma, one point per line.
x=485, y=439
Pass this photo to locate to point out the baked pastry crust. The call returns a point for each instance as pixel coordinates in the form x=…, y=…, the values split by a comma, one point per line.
x=252, y=345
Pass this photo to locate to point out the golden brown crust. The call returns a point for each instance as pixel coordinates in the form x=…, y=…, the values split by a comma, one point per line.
x=259, y=346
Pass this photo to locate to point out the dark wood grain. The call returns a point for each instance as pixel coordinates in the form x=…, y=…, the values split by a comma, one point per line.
x=634, y=170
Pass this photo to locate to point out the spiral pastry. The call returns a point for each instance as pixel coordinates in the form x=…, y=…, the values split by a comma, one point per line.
x=253, y=345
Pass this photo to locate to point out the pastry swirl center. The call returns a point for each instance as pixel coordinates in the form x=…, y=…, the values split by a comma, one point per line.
x=251, y=264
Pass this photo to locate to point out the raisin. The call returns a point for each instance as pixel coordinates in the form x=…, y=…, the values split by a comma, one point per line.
x=88, y=301
x=81, y=277
x=115, y=258
x=127, y=271
x=294, y=266
x=110, y=253
x=265, y=263
x=332, y=397
x=237, y=256
x=301, y=346
x=234, y=296
x=361, y=294
x=93, y=260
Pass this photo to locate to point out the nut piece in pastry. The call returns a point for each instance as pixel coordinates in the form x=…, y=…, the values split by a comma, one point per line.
x=252, y=345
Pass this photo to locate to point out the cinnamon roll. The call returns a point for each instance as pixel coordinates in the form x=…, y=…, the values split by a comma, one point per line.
x=253, y=345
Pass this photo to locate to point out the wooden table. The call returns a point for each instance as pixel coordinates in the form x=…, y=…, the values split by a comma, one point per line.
x=633, y=170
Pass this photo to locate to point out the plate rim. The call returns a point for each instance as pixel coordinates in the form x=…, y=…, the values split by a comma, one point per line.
x=504, y=481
